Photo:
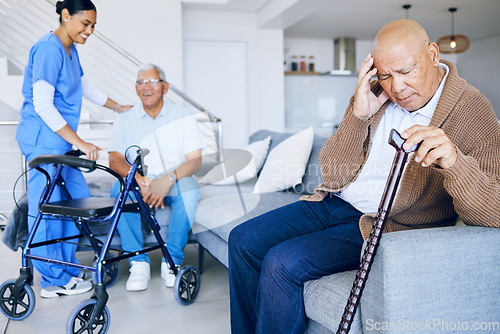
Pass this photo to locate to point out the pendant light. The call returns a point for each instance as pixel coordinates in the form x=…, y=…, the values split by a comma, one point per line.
x=453, y=43
x=406, y=7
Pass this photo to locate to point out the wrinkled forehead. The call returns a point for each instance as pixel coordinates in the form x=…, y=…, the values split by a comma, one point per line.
x=394, y=56
x=384, y=55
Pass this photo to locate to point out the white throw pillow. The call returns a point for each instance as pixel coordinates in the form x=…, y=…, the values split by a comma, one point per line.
x=258, y=149
x=286, y=163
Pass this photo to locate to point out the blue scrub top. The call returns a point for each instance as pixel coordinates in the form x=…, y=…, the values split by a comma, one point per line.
x=49, y=61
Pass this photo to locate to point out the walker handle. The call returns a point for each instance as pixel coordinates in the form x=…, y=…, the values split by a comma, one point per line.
x=69, y=160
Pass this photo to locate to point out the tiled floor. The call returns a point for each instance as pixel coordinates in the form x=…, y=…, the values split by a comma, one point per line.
x=152, y=311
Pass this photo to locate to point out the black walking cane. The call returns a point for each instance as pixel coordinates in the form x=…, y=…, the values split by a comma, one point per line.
x=391, y=187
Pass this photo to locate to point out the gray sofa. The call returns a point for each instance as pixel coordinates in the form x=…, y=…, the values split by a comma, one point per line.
x=432, y=280
x=442, y=280
x=221, y=208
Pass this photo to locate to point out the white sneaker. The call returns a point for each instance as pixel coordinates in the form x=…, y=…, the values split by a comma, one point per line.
x=84, y=276
x=167, y=274
x=139, y=276
x=75, y=286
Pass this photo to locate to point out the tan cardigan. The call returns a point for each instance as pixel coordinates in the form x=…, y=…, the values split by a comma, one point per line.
x=427, y=196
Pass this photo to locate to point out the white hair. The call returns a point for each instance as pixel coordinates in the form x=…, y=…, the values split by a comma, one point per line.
x=149, y=67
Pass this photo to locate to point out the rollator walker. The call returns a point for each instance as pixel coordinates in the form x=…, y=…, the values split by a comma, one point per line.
x=91, y=316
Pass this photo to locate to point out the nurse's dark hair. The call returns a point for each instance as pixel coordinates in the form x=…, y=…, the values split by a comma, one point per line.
x=73, y=7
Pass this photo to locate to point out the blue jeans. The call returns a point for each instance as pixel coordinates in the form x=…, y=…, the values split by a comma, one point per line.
x=271, y=256
x=183, y=199
x=52, y=228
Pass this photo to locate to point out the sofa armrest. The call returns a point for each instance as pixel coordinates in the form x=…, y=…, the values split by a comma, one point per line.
x=440, y=280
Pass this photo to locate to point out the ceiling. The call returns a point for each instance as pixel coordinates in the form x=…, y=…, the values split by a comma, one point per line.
x=362, y=19
x=226, y=5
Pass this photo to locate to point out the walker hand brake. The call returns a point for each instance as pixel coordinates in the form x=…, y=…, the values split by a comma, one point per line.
x=143, y=169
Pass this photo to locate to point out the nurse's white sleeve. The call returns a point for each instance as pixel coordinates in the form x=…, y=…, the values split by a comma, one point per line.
x=93, y=94
x=43, y=101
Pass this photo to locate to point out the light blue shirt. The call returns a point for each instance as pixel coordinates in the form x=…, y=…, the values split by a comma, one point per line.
x=49, y=61
x=366, y=191
x=169, y=137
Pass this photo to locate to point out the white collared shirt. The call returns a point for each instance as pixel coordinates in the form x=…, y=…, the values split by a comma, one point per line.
x=169, y=137
x=366, y=191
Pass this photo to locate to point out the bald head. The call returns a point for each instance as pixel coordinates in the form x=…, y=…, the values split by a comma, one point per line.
x=406, y=33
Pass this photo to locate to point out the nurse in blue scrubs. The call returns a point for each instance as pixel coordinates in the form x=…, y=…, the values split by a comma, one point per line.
x=54, y=84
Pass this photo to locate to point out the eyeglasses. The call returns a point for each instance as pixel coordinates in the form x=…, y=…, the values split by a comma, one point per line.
x=151, y=82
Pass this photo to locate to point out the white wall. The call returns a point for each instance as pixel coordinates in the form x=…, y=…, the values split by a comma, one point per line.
x=150, y=30
x=479, y=66
x=11, y=97
x=227, y=95
x=363, y=48
x=265, y=94
x=156, y=31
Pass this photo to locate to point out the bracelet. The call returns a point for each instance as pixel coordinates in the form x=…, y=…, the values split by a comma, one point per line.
x=117, y=107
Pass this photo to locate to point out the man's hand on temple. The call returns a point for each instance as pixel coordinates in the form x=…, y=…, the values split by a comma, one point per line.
x=365, y=102
x=436, y=147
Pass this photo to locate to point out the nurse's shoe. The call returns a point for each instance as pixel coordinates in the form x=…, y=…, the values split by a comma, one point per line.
x=75, y=286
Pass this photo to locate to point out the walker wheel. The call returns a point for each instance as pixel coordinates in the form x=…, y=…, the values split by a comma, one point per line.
x=79, y=319
x=16, y=307
x=110, y=272
x=187, y=285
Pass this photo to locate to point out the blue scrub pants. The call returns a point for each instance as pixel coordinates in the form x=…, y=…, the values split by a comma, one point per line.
x=51, y=228
x=272, y=255
x=183, y=199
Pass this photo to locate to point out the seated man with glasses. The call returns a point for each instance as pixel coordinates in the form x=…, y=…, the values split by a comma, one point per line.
x=171, y=134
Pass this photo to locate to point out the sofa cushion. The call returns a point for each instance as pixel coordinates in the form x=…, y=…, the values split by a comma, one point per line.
x=276, y=137
x=258, y=150
x=437, y=277
x=210, y=190
x=312, y=175
x=217, y=215
x=286, y=163
x=220, y=214
x=325, y=300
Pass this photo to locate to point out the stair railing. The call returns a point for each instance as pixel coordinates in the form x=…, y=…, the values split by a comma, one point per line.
x=22, y=22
